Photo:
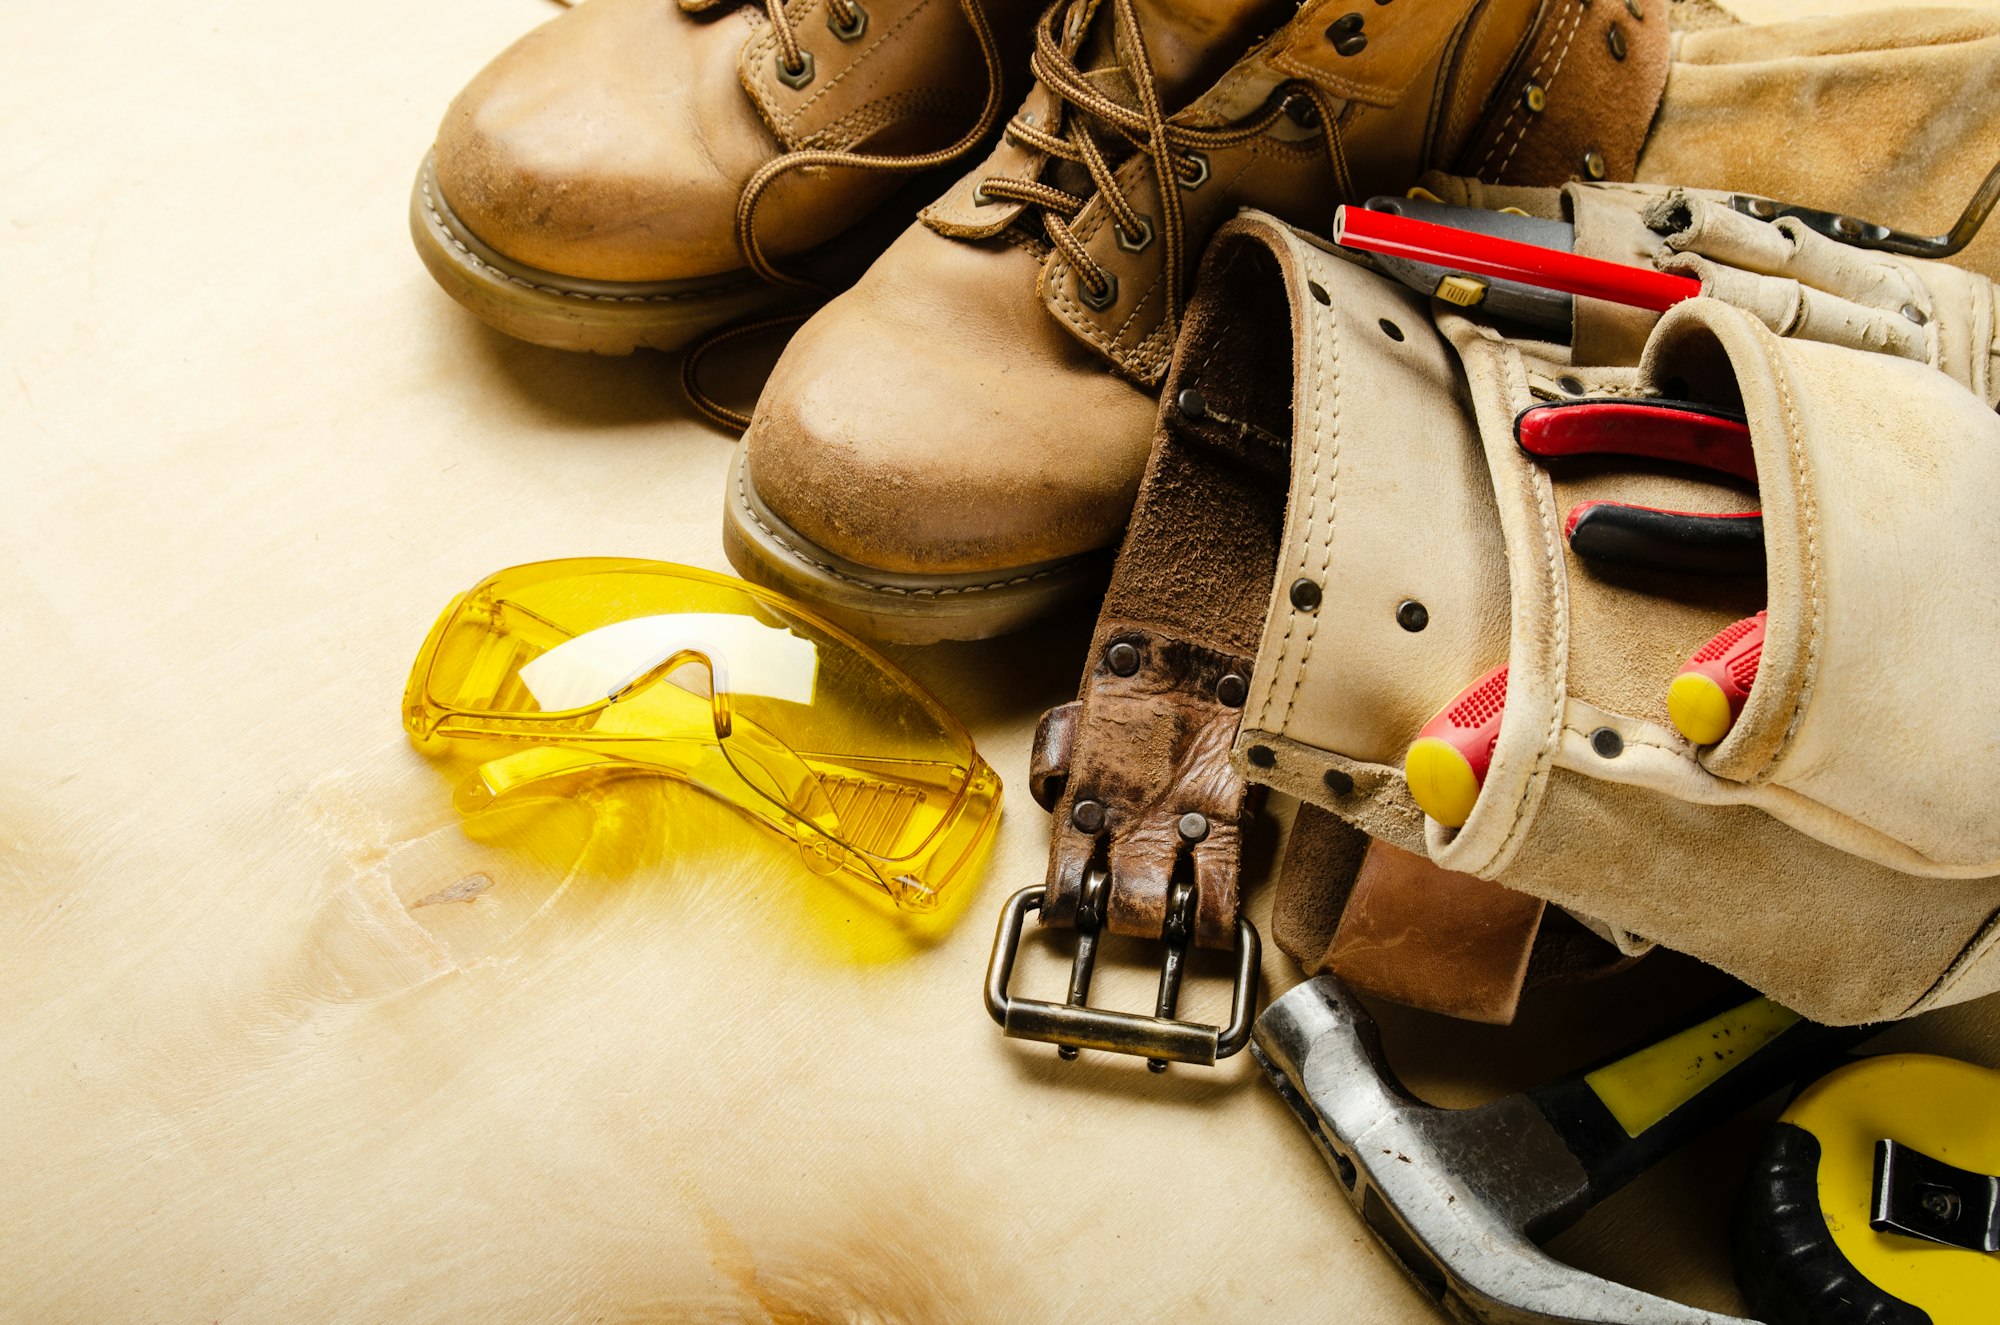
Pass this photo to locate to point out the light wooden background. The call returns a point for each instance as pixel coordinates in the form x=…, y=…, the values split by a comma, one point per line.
x=654, y=1072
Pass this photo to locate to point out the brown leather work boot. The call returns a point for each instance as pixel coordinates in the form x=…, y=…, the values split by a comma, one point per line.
x=952, y=446
x=629, y=173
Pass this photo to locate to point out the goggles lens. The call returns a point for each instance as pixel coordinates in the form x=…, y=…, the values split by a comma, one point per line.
x=604, y=666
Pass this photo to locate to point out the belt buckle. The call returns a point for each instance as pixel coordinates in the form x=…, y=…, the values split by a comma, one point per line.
x=1074, y=1025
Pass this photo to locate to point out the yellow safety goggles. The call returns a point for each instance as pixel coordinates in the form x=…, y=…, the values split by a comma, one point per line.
x=603, y=666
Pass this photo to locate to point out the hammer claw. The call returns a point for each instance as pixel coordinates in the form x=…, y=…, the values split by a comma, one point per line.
x=1457, y=1196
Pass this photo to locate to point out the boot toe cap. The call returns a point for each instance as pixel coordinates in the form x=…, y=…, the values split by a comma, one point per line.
x=934, y=419
x=607, y=145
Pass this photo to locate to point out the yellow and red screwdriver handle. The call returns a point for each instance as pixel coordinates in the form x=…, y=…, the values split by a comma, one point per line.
x=1707, y=697
x=1447, y=764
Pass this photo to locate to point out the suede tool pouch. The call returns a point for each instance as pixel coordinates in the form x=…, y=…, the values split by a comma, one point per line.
x=1837, y=848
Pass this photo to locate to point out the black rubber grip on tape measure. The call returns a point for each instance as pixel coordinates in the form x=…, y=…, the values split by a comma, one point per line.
x=1787, y=1264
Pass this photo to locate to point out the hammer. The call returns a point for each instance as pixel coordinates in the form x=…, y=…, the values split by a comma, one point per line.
x=1462, y=1197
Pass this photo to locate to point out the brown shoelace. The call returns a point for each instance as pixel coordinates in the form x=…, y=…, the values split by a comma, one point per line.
x=1171, y=148
x=792, y=58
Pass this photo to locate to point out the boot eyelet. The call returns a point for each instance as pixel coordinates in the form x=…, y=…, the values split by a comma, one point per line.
x=848, y=33
x=1197, y=173
x=1135, y=243
x=798, y=77
x=980, y=197
x=1097, y=303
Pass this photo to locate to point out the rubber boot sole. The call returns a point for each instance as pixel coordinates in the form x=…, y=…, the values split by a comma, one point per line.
x=567, y=312
x=885, y=605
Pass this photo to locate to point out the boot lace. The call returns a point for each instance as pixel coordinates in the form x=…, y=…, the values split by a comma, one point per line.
x=794, y=60
x=1174, y=151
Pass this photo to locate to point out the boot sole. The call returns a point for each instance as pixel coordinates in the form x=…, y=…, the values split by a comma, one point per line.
x=566, y=312
x=886, y=605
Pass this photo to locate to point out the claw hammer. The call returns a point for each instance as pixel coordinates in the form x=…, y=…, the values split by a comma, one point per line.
x=1463, y=1197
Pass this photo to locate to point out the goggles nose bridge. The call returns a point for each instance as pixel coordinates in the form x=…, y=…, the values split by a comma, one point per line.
x=721, y=712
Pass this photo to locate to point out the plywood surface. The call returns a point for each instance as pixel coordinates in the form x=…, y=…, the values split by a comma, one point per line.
x=256, y=1069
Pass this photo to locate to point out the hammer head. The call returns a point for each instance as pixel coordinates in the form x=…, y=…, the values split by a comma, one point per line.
x=1456, y=1195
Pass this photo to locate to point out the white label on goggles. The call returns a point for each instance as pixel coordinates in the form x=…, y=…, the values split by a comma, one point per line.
x=747, y=656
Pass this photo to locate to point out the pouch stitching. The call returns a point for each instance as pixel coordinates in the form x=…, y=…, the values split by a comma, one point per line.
x=1332, y=506
x=1329, y=448
x=1543, y=493
x=1678, y=750
x=1809, y=510
x=1983, y=945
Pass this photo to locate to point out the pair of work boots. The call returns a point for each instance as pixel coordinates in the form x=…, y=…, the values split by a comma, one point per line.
x=952, y=446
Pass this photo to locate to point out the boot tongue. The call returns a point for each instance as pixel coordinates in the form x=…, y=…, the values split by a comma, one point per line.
x=1191, y=44
x=1194, y=42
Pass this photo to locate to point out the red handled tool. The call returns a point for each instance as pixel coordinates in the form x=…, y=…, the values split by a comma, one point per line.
x=1702, y=543
x=1705, y=700
x=1447, y=763
x=1478, y=254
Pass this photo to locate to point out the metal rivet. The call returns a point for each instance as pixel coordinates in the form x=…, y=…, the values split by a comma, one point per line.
x=848, y=33
x=1300, y=110
x=1192, y=404
x=1915, y=314
x=1632, y=8
x=1535, y=97
x=1412, y=615
x=1261, y=755
x=1135, y=243
x=1763, y=208
x=1570, y=386
x=800, y=76
x=1087, y=816
x=1192, y=827
x=1608, y=743
x=1846, y=227
x=1232, y=690
x=1614, y=37
x=1319, y=292
x=1305, y=594
x=1122, y=658
x=1593, y=164
x=1389, y=329
x=1066, y=1052
x=1338, y=782
x=1346, y=35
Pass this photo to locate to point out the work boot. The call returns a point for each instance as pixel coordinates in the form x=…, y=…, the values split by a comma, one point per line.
x=952, y=446
x=635, y=172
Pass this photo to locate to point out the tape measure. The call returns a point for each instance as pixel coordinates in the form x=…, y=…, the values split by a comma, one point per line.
x=1875, y=1199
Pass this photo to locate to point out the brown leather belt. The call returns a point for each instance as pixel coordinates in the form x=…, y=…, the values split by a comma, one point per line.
x=1148, y=810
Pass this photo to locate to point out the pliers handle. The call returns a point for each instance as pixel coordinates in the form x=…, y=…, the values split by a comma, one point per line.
x=1676, y=431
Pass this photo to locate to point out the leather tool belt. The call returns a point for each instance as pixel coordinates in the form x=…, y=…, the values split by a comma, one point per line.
x=1148, y=808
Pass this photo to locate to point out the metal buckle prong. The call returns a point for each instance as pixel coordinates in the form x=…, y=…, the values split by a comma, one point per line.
x=1161, y=1038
